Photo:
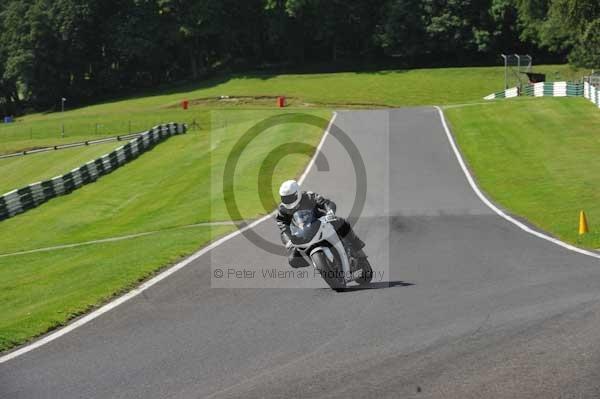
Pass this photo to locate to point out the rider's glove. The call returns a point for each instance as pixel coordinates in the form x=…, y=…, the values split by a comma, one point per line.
x=288, y=245
x=330, y=216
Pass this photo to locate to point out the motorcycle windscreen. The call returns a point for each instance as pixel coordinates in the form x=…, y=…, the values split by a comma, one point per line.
x=304, y=226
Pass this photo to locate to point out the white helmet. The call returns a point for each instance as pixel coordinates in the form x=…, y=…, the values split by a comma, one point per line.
x=290, y=194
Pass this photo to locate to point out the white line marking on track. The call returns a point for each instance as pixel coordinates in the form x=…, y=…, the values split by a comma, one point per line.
x=319, y=147
x=497, y=210
x=136, y=291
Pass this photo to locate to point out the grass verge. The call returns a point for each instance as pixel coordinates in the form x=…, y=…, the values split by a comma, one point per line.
x=40, y=292
x=20, y=171
x=175, y=184
x=538, y=158
x=350, y=89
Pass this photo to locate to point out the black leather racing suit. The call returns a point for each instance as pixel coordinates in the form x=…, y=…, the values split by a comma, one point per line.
x=320, y=205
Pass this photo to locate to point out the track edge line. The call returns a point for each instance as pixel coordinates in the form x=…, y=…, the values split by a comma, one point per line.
x=493, y=207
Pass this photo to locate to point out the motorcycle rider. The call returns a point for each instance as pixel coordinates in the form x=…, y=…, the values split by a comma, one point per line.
x=292, y=200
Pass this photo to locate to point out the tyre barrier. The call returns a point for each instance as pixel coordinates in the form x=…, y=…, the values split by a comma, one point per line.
x=508, y=93
x=554, y=89
x=592, y=93
x=542, y=89
x=26, y=198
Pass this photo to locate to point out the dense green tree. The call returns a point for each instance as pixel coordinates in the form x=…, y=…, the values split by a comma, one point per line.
x=322, y=30
x=199, y=25
x=9, y=96
x=82, y=49
x=403, y=32
x=571, y=26
x=561, y=26
x=531, y=17
x=32, y=50
x=131, y=55
x=586, y=52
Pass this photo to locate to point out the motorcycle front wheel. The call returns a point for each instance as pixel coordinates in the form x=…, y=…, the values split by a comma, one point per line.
x=333, y=276
x=367, y=273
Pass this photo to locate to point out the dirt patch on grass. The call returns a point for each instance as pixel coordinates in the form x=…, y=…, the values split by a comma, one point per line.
x=270, y=102
x=232, y=101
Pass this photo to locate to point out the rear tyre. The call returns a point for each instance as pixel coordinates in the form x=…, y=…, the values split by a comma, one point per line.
x=367, y=273
x=333, y=276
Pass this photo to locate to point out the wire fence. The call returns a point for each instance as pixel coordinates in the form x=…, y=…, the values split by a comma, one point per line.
x=16, y=131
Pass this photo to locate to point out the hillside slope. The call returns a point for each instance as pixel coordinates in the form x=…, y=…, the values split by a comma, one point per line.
x=155, y=201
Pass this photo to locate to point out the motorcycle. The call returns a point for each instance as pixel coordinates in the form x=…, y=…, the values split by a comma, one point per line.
x=319, y=244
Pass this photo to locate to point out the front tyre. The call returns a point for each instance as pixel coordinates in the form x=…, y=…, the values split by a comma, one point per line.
x=333, y=276
x=367, y=273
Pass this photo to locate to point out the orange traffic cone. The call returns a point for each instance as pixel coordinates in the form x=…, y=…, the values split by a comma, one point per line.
x=583, y=224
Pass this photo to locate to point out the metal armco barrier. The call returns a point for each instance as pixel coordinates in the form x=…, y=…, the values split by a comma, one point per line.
x=33, y=195
x=122, y=137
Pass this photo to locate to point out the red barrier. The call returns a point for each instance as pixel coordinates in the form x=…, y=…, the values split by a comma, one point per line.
x=185, y=104
x=281, y=102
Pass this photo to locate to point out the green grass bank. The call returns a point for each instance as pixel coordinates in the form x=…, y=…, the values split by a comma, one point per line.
x=20, y=171
x=176, y=184
x=349, y=89
x=538, y=158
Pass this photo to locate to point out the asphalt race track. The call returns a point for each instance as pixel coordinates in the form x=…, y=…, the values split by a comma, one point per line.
x=465, y=305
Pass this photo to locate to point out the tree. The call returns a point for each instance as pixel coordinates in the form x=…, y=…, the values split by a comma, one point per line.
x=403, y=32
x=198, y=25
x=531, y=17
x=586, y=53
x=10, y=103
x=82, y=49
x=559, y=25
x=31, y=47
x=140, y=49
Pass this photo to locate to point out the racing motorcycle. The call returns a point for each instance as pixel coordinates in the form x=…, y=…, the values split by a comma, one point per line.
x=319, y=244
